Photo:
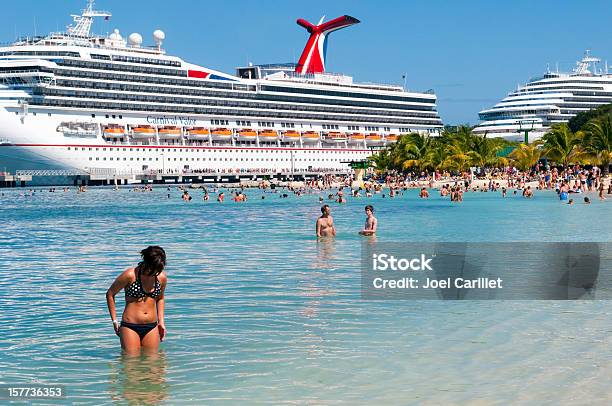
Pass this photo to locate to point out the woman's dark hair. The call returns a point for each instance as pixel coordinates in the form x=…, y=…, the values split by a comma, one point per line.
x=153, y=260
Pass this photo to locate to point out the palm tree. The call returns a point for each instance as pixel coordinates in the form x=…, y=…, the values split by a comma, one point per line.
x=483, y=152
x=525, y=156
x=381, y=160
x=598, y=141
x=563, y=146
x=457, y=158
x=416, y=149
x=436, y=156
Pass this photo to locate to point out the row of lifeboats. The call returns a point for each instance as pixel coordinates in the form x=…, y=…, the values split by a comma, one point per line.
x=247, y=134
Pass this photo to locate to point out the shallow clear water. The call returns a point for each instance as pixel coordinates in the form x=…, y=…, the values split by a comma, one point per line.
x=259, y=312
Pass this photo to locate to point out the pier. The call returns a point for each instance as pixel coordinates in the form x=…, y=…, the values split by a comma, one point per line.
x=101, y=177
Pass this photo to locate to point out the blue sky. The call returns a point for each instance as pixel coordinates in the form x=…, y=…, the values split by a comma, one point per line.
x=470, y=52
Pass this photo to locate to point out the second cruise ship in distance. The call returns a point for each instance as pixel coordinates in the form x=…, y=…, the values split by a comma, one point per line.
x=552, y=98
x=103, y=104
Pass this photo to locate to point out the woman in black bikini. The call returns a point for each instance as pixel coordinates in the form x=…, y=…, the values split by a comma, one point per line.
x=142, y=323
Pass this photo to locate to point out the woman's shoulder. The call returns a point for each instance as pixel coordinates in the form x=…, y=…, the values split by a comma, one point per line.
x=163, y=278
x=129, y=274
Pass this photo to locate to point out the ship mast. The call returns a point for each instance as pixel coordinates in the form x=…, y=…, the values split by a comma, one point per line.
x=84, y=21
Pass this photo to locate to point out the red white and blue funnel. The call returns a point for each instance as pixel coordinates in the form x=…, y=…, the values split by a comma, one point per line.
x=313, y=56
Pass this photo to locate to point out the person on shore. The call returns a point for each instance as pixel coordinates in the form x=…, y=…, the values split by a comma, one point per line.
x=142, y=323
x=371, y=222
x=600, y=190
x=325, y=223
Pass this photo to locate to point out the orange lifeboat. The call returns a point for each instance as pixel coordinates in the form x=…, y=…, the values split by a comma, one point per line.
x=221, y=134
x=374, y=139
x=310, y=136
x=114, y=131
x=334, y=137
x=143, y=131
x=291, y=136
x=268, y=135
x=391, y=138
x=170, y=132
x=198, y=133
x=356, y=138
x=246, y=134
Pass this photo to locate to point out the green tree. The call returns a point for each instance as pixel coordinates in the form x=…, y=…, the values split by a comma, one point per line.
x=564, y=146
x=598, y=141
x=415, y=151
x=525, y=156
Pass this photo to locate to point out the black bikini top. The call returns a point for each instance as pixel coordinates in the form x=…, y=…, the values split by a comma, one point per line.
x=136, y=290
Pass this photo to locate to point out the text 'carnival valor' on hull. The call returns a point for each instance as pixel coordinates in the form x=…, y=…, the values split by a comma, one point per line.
x=75, y=100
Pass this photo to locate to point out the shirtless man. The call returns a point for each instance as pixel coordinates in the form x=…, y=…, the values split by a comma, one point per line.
x=371, y=222
x=424, y=194
x=325, y=223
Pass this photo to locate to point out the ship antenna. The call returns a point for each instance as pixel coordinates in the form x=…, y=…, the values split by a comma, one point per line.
x=84, y=21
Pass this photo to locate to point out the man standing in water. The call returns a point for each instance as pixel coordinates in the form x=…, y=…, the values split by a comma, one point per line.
x=325, y=223
x=371, y=222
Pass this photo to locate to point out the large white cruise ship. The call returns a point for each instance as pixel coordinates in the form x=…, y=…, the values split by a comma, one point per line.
x=553, y=98
x=93, y=103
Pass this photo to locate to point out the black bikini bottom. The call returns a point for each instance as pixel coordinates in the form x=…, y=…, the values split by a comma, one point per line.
x=141, y=329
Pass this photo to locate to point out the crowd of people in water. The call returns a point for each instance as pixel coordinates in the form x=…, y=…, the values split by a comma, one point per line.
x=573, y=180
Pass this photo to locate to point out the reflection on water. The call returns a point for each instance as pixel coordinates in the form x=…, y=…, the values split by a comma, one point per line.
x=139, y=380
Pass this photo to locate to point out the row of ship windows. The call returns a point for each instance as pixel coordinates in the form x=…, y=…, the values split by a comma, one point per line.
x=272, y=125
x=135, y=59
x=575, y=83
x=222, y=159
x=150, y=79
x=200, y=150
x=221, y=112
x=41, y=53
x=223, y=102
x=234, y=95
x=331, y=127
x=283, y=89
x=181, y=79
x=125, y=68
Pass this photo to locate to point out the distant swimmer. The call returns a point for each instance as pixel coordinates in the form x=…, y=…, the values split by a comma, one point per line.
x=587, y=200
x=186, y=197
x=325, y=223
x=142, y=323
x=424, y=194
x=371, y=222
x=220, y=197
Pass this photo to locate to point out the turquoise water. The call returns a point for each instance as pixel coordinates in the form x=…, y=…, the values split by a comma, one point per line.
x=259, y=312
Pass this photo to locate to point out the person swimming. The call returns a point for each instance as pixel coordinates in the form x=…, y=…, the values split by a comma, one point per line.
x=371, y=222
x=424, y=194
x=325, y=223
x=142, y=323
